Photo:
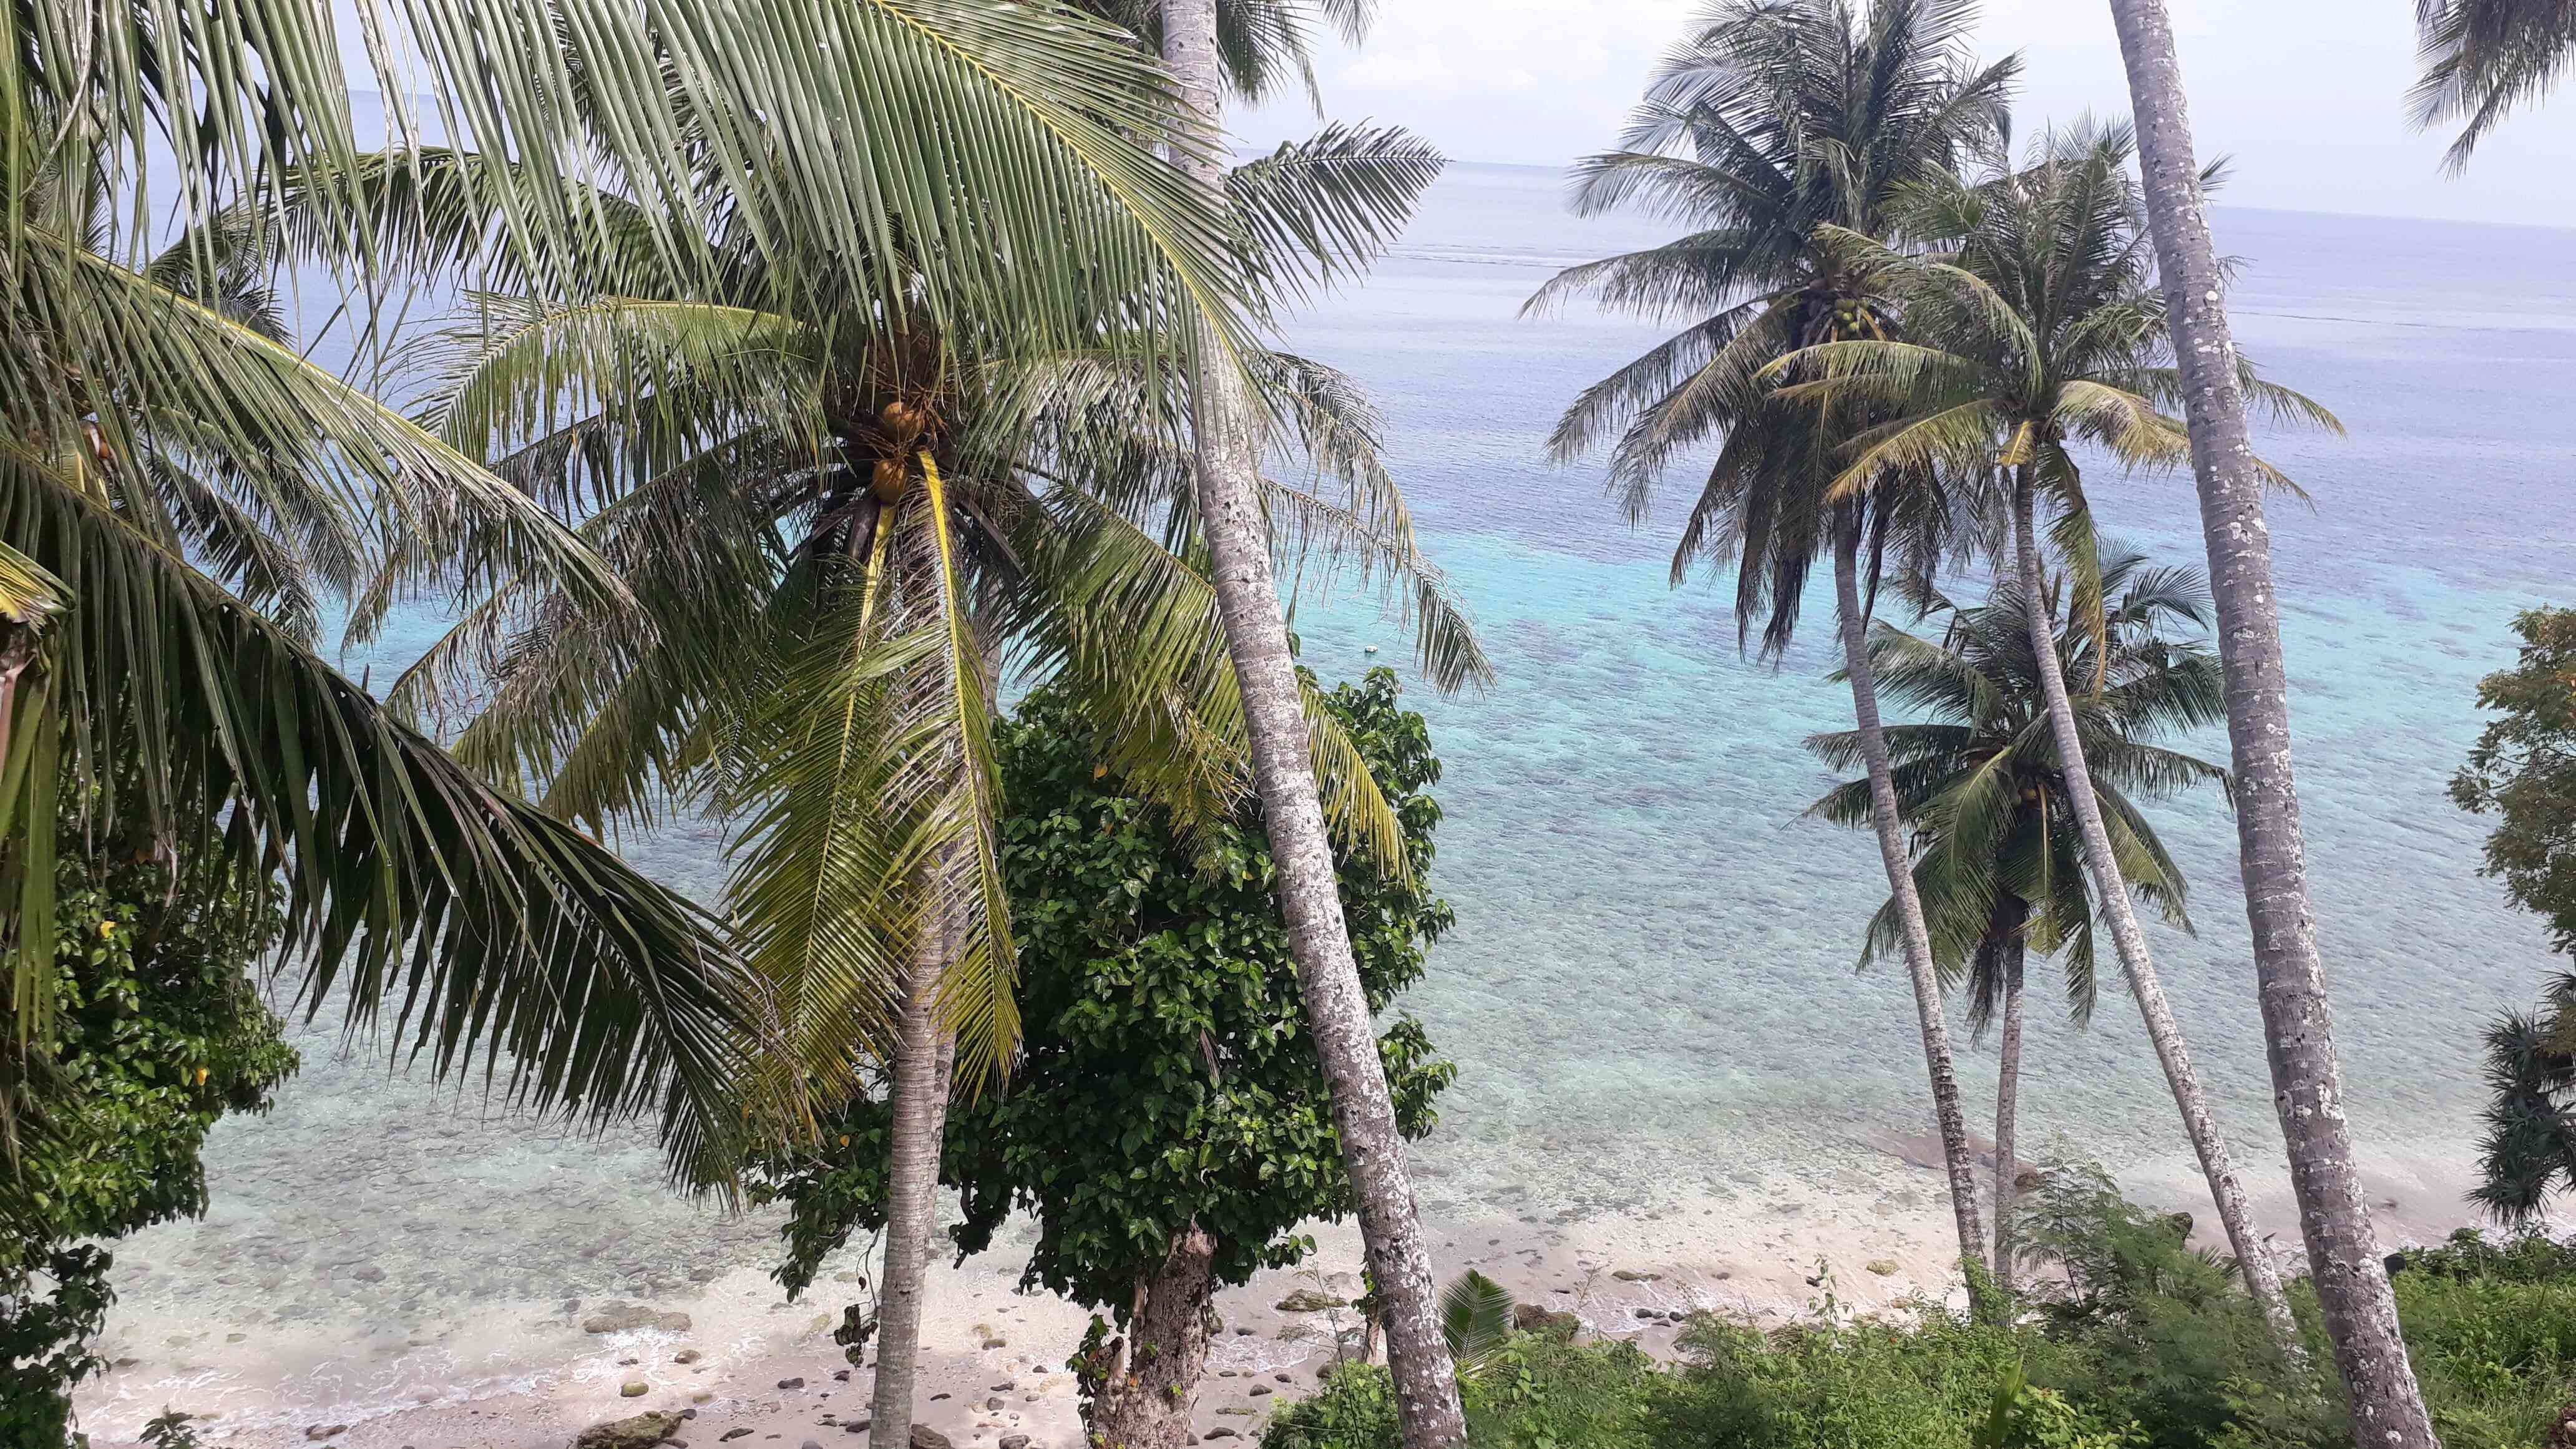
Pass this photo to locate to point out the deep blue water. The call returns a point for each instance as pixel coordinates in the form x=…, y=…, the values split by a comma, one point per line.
x=1650, y=990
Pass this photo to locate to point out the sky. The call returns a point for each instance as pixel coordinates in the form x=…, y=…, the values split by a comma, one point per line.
x=2307, y=96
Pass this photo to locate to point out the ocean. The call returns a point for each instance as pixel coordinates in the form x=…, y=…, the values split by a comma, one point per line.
x=1651, y=990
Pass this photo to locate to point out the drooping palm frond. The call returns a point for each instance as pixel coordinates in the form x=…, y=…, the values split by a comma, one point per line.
x=1321, y=209
x=2483, y=59
x=489, y=932
x=2528, y=1151
x=1780, y=133
x=1475, y=1319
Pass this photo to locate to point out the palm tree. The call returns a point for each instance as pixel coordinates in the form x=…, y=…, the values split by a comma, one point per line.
x=2344, y=1264
x=837, y=541
x=2483, y=58
x=1998, y=855
x=2529, y=1149
x=1228, y=434
x=1777, y=117
x=2036, y=334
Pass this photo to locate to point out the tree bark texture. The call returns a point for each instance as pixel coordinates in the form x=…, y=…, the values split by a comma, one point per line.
x=1952, y=1121
x=1337, y=1015
x=1146, y=1401
x=2298, y=1029
x=924, y=1060
x=2111, y=899
x=2008, y=1113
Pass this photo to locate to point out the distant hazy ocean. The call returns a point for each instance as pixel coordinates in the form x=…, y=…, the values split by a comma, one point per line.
x=1650, y=991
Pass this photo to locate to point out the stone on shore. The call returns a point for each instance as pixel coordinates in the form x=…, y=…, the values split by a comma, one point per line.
x=615, y=1316
x=1307, y=1300
x=640, y=1432
x=926, y=1437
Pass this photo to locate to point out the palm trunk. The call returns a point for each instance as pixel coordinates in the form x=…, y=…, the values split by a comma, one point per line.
x=2298, y=1029
x=1909, y=906
x=1337, y=1014
x=2111, y=898
x=924, y=1060
x=1145, y=1401
x=2007, y=1115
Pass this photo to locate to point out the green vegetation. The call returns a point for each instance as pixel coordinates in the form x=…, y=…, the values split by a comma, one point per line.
x=155, y=1029
x=2523, y=771
x=2137, y=1343
x=1167, y=1122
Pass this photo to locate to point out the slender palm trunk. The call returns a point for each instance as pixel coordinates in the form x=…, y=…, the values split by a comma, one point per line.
x=1953, y=1122
x=1145, y=1401
x=1337, y=1014
x=2111, y=898
x=2008, y=1112
x=2298, y=1029
x=925, y=1057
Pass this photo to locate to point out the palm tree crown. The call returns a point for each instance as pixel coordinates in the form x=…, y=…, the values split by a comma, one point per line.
x=1774, y=119
x=1997, y=857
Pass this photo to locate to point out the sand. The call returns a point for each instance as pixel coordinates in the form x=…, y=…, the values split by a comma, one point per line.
x=993, y=1360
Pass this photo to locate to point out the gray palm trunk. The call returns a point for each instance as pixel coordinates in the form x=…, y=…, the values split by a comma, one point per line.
x=2111, y=898
x=925, y=1058
x=1337, y=1013
x=2008, y=1116
x=1956, y=1155
x=2298, y=1029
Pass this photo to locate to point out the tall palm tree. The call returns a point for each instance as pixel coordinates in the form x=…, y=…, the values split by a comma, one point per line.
x=1229, y=436
x=2038, y=333
x=2484, y=58
x=2298, y=1030
x=1998, y=855
x=1775, y=118
x=837, y=541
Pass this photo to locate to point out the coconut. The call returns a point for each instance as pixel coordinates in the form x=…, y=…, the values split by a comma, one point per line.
x=889, y=480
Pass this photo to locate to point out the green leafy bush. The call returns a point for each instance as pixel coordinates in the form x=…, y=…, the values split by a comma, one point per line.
x=153, y=1030
x=2139, y=1342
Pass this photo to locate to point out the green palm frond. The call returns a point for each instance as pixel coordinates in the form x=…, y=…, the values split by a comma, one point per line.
x=1321, y=209
x=1132, y=630
x=1475, y=1318
x=489, y=932
x=2483, y=59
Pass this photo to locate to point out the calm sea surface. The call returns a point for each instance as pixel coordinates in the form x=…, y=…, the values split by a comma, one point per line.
x=1650, y=991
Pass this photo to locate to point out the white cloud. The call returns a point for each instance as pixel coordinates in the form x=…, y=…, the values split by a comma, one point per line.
x=2307, y=95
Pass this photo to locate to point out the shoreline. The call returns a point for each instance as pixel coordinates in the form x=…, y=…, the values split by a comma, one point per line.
x=525, y=1375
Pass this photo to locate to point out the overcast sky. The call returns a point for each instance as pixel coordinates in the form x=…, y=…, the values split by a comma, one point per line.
x=2307, y=95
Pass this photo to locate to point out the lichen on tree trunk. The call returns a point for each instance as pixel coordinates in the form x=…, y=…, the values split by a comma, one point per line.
x=2298, y=1029
x=1228, y=455
x=1150, y=1381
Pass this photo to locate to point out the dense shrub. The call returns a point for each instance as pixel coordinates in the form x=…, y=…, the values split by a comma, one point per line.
x=2135, y=1342
x=153, y=1029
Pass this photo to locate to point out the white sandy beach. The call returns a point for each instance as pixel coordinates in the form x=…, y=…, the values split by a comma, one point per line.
x=526, y=1377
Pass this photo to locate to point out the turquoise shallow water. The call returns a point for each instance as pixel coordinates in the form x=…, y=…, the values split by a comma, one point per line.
x=1650, y=991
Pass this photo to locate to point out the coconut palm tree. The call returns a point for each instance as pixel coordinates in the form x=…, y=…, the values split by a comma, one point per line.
x=839, y=542
x=1776, y=117
x=2484, y=58
x=2036, y=335
x=1229, y=435
x=2344, y=1264
x=1998, y=855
